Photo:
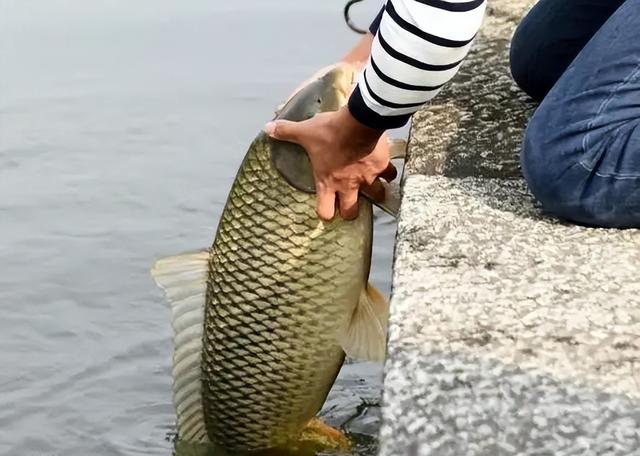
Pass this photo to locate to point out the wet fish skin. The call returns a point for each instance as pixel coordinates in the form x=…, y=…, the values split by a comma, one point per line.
x=282, y=286
x=283, y=290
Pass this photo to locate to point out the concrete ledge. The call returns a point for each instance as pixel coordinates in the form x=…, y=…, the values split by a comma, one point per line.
x=511, y=333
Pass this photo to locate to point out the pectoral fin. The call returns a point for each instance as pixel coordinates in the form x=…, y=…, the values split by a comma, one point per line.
x=183, y=279
x=392, y=198
x=392, y=194
x=366, y=336
x=397, y=148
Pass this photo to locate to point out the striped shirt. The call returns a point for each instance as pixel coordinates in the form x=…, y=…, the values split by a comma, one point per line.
x=418, y=47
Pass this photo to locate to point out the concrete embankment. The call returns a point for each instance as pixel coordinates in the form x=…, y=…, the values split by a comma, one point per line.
x=511, y=333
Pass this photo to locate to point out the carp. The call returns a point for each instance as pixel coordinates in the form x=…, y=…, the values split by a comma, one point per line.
x=263, y=319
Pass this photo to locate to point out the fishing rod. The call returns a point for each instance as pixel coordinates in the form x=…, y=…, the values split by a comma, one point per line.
x=347, y=17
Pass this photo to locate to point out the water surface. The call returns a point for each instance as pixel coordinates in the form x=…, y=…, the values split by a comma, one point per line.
x=122, y=125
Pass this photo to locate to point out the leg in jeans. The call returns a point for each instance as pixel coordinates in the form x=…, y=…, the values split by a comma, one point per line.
x=581, y=154
x=550, y=37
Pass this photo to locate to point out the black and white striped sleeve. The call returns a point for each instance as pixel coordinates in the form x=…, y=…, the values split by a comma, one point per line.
x=418, y=47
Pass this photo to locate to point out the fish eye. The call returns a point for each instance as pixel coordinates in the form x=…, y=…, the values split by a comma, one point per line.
x=319, y=101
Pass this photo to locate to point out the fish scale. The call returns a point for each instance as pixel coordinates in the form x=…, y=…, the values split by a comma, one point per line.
x=275, y=307
x=262, y=319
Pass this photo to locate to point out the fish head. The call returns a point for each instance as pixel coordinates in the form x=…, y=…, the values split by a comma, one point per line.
x=336, y=86
x=329, y=92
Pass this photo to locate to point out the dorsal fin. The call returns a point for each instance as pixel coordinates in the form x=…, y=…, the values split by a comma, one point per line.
x=184, y=280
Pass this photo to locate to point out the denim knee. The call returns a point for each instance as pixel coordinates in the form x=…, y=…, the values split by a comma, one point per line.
x=546, y=172
x=524, y=63
x=519, y=60
x=532, y=161
x=566, y=188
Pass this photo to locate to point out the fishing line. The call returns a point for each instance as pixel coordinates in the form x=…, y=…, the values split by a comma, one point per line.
x=347, y=17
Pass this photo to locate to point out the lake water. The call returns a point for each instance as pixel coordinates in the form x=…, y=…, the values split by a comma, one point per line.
x=122, y=124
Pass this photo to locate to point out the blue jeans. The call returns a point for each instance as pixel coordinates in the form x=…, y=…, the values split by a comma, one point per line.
x=581, y=152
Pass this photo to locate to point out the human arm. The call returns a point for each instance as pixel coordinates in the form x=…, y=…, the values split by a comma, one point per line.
x=417, y=49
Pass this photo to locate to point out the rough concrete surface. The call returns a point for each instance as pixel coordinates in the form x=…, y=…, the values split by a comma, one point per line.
x=511, y=333
x=473, y=128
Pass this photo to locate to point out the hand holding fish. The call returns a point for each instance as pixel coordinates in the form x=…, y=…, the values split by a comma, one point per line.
x=345, y=155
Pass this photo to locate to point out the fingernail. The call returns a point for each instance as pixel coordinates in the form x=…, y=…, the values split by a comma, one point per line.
x=270, y=128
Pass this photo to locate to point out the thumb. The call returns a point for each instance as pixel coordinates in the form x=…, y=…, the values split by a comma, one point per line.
x=284, y=130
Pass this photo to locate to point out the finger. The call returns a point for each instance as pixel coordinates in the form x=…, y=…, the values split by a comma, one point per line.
x=348, y=204
x=390, y=173
x=374, y=191
x=284, y=130
x=326, y=202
